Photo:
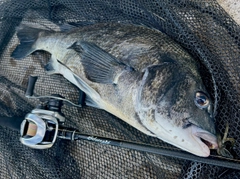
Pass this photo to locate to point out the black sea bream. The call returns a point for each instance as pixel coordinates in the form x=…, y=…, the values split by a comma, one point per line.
x=136, y=73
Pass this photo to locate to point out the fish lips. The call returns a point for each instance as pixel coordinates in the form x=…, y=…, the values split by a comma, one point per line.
x=205, y=139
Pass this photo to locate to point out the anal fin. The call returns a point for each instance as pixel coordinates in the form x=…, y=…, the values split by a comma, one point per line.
x=52, y=67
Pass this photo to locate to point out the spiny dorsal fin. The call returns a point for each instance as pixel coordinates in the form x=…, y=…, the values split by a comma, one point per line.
x=99, y=66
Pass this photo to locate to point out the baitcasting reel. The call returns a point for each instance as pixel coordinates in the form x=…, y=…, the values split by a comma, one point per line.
x=40, y=128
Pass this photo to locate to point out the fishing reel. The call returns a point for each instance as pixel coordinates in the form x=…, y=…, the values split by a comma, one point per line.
x=40, y=128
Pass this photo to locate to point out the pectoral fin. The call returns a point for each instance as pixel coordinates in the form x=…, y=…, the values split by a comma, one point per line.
x=95, y=99
x=99, y=66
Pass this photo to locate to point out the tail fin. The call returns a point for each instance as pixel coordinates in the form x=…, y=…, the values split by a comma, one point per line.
x=27, y=36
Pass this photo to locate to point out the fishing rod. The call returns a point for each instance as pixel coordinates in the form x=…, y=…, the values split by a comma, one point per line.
x=41, y=127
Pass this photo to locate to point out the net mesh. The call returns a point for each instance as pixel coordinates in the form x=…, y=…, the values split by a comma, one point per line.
x=201, y=27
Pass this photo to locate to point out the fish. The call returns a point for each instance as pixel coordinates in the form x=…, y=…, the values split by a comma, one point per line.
x=136, y=73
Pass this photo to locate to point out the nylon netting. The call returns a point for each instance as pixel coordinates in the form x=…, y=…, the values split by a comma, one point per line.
x=203, y=28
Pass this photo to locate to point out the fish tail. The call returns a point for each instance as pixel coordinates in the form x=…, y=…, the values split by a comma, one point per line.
x=28, y=37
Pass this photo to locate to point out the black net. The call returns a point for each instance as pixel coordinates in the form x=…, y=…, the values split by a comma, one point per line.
x=201, y=27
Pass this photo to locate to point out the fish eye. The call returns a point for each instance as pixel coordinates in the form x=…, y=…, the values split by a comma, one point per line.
x=201, y=100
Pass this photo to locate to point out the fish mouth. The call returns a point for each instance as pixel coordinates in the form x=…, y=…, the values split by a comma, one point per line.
x=205, y=139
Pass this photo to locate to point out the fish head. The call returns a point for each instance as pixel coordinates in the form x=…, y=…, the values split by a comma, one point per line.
x=174, y=105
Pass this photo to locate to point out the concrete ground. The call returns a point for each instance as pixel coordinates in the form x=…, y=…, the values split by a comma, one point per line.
x=232, y=7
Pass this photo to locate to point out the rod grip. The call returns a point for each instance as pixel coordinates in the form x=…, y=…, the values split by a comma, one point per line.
x=11, y=122
x=31, y=84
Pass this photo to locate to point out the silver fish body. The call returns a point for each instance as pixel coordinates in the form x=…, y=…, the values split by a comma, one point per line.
x=135, y=73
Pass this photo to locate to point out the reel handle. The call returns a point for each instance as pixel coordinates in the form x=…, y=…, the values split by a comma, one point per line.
x=31, y=84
